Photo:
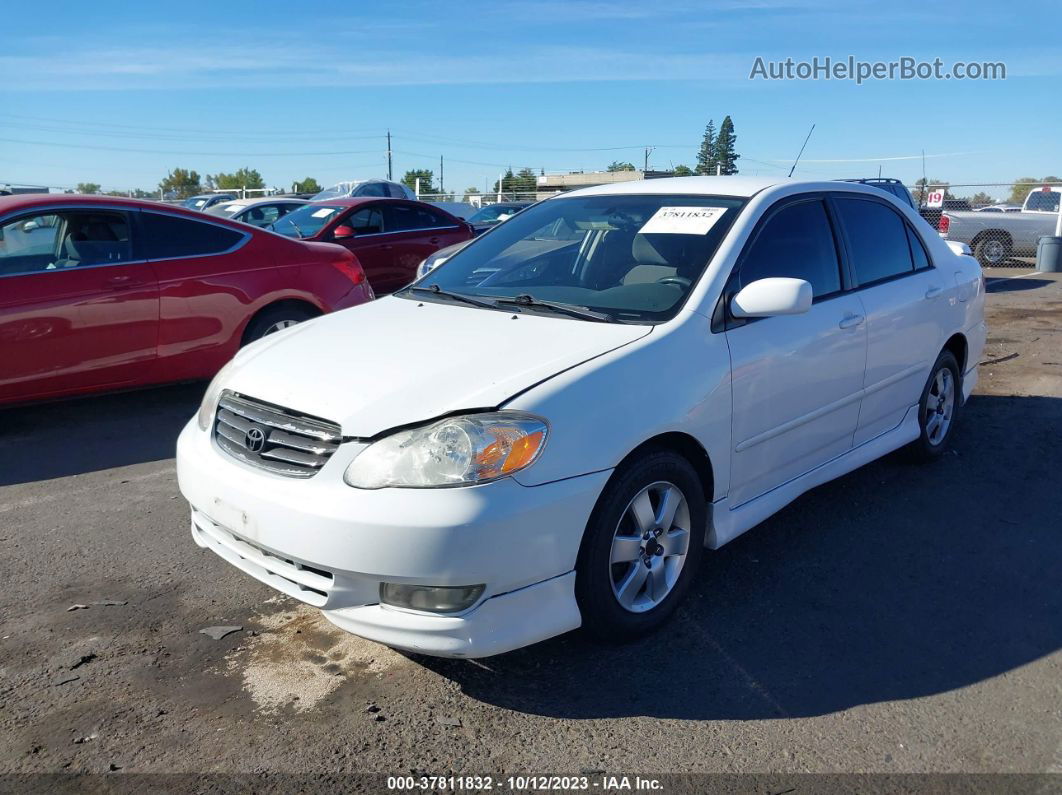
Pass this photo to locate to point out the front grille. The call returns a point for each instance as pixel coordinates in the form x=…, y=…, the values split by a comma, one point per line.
x=274, y=438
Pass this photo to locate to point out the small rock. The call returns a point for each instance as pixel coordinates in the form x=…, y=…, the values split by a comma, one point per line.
x=372, y=708
x=111, y=603
x=455, y=722
x=77, y=607
x=81, y=740
x=83, y=660
x=113, y=767
x=217, y=633
x=379, y=718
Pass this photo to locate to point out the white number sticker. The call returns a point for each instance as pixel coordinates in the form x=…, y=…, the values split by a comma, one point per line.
x=682, y=221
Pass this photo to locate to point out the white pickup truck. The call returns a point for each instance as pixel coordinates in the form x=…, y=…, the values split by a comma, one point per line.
x=994, y=237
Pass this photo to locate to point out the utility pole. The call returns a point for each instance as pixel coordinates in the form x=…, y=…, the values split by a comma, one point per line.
x=390, y=174
x=440, y=174
x=648, y=151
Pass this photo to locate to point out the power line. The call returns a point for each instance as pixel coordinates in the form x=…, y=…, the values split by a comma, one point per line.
x=190, y=154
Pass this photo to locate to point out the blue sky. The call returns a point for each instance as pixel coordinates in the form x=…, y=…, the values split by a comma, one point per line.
x=118, y=94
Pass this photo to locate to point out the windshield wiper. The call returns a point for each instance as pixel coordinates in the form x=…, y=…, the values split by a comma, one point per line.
x=567, y=309
x=297, y=230
x=467, y=299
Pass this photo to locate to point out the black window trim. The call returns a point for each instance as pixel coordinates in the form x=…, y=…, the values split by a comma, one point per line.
x=856, y=286
x=244, y=235
x=381, y=208
x=131, y=221
x=722, y=319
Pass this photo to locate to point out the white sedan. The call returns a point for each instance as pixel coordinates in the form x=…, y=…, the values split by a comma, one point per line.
x=546, y=431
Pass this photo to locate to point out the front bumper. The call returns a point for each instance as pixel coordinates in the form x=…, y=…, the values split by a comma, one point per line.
x=331, y=545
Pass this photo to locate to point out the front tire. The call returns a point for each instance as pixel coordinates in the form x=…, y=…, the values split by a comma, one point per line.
x=938, y=408
x=642, y=547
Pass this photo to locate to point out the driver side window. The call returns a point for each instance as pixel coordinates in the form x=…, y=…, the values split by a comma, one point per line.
x=797, y=242
x=53, y=241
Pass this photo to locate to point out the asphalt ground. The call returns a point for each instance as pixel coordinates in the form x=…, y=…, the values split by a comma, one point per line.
x=903, y=619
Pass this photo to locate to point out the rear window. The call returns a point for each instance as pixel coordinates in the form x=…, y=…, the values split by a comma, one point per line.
x=167, y=236
x=877, y=240
x=1043, y=201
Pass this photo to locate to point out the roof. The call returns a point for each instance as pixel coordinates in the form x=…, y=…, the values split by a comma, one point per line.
x=31, y=201
x=709, y=186
x=242, y=203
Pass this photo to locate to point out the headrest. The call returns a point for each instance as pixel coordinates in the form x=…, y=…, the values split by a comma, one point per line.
x=662, y=249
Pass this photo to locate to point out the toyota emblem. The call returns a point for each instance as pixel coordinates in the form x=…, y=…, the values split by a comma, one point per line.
x=255, y=440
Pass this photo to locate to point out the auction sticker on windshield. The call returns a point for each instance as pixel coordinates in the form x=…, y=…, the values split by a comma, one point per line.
x=682, y=220
x=324, y=212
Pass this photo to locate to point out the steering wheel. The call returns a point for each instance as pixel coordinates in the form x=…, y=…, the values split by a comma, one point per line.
x=679, y=280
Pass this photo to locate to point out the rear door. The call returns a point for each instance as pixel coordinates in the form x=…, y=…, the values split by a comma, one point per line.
x=78, y=305
x=906, y=301
x=414, y=232
x=796, y=379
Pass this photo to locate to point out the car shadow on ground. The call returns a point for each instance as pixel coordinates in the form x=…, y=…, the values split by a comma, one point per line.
x=897, y=581
x=72, y=437
x=1014, y=285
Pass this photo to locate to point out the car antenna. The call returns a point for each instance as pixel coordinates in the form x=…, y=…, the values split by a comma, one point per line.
x=801, y=151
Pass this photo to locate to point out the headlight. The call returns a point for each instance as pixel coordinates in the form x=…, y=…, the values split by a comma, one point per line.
x=210, y=399
x=457, y=451
x=430, y=264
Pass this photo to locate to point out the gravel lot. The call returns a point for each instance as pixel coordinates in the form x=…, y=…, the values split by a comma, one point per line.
x=902, y=619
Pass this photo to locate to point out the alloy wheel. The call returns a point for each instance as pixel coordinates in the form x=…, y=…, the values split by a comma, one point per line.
x=649, y=547
x=940, y=406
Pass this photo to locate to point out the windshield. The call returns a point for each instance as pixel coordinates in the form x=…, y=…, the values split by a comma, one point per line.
x=337, y=191
x=1042, y=201
x=493, y=213
x=196, y=202
x=635, y=258
x=307, y=220
x=226, y=209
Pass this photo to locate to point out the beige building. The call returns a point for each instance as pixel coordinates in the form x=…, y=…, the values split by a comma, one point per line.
x=550, y=184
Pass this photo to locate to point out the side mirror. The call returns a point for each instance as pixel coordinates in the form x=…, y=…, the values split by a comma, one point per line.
x=342, y=232
x=773, y=296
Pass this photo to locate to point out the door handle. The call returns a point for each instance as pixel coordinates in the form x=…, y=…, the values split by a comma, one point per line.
x=851, y=321
x=123, y=282
x=933, y=292
x=434, y=241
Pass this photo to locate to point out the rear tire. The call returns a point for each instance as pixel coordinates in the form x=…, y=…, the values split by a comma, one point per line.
x=641, y=548
x=992, y=250
x=274, y=319
x=938, y=409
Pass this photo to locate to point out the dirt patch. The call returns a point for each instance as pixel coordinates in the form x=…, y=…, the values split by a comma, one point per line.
x=298, y=659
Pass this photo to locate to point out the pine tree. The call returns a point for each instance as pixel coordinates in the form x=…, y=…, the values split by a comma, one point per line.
x=725, y=155
x=706, y=158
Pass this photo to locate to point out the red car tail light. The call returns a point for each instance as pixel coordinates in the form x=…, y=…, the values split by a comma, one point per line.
x=350, y=268
x=944, y=224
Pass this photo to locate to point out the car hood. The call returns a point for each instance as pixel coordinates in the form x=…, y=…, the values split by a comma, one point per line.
x=397, y=361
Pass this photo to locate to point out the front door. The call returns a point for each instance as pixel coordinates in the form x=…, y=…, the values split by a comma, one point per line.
x=796, y=379
x=77, y=312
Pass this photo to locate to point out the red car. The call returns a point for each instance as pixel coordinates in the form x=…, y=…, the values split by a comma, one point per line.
x=390, y=237
x=99, y=293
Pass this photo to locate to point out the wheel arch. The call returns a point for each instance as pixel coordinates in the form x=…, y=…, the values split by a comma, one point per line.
x=1001, y=234
x=300, y=303
x=959, y=348
x=686, y=446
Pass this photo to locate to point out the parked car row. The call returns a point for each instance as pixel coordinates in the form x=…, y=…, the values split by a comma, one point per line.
x=103, y=293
